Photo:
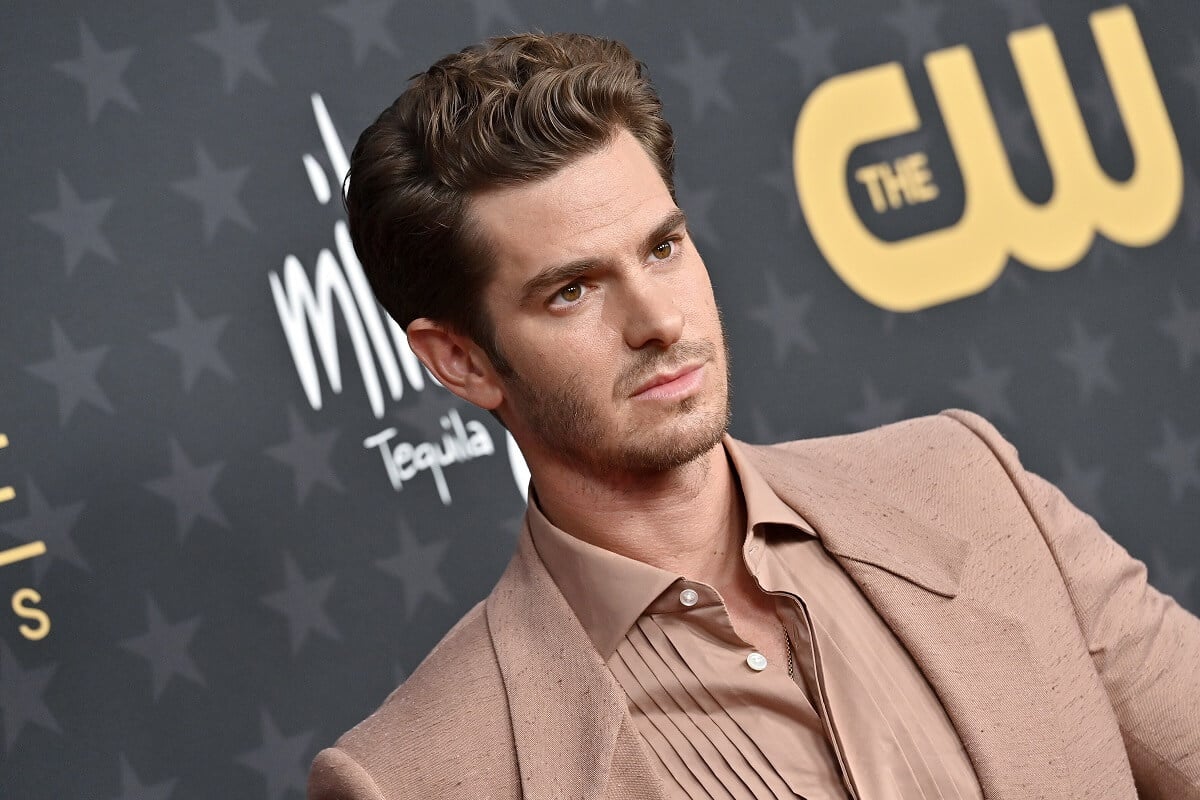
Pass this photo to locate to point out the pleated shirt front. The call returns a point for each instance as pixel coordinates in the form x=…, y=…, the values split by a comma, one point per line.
x=856, y=719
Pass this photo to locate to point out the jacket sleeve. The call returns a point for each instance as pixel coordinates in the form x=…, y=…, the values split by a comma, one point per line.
x=1146, y=648
x=335, y=775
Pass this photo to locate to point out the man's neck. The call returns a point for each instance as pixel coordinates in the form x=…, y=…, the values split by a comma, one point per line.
x=688, y=520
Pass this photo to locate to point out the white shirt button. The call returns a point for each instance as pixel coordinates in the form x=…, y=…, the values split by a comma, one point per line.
x=756, y=661
x=689, y=597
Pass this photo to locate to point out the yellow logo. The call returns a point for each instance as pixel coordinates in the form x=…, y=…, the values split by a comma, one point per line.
x=997, y=220
x=24, y=601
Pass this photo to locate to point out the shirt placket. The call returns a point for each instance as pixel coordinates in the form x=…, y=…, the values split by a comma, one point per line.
x=803, y=640
x=808, y=658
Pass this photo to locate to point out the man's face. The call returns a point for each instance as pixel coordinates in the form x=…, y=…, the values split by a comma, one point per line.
x=604, y=310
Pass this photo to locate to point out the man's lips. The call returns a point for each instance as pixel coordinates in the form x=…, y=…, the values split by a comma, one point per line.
x=671, y=384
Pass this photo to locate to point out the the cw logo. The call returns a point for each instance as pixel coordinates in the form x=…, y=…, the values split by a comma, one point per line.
x=997, y=220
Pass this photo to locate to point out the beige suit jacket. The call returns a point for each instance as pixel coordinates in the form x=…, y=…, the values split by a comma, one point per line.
x=1064, y=673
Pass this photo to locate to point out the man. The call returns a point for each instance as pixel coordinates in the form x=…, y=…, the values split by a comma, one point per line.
x=902, y=613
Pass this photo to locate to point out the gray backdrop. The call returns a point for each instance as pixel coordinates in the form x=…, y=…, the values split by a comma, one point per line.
x=230, y=577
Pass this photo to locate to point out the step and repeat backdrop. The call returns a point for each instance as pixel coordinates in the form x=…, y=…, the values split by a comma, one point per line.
x=235, y=511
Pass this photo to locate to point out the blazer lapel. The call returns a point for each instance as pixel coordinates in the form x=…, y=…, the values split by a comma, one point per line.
x=973, y=650
x=856, y=526
x=571, y=724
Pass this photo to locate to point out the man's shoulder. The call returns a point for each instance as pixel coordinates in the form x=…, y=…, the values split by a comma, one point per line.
x=430, y=725
x=948, y=435
x=459, y=678
x=924, y=464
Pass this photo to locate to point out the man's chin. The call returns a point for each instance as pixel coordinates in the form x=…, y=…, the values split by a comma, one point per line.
x=638, y=439
x=668, y=447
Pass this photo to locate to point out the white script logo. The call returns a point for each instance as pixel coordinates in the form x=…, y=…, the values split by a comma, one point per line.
x=306, y=307
x=460, y=442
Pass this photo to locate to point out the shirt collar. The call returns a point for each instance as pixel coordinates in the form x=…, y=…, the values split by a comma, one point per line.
x=609, y=592
x=606, y=590
x=763, y=506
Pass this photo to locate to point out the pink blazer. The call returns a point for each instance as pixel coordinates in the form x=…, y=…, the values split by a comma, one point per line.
x=1064, y=673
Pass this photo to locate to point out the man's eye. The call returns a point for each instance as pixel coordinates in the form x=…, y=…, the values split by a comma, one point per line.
x=570, y=293
x=663, y=251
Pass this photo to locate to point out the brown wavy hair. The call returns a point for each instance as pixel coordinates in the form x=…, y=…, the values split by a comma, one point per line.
x=507, y=111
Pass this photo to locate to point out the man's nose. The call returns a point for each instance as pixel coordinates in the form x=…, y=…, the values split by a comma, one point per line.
x=652, y=316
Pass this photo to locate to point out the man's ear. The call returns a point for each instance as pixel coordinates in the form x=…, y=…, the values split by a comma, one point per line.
x=456, y=361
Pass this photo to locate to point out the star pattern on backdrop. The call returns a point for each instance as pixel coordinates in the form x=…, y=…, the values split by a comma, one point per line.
x=216, y=192
x=132, y=787
x=399, y=674
x=697, y=204
x=1081, y=485
x=366, y=22
x=1190, y=71
x=99, y=72
x=762, y=432
x=985, y=387
x=1012, y=281
x=1022, y=13
x=165, y=647
x=494, y=16
x=416, y=565
x=1172, y=577
x=78, y=224
x=890, y=319
x=513, y=524
x=1105, y=255
x=236, y=45
x=73, y=374
x=302, y=603
x=599, y=6
x=52, y=525
x=22, y=700
x=765, y=430
x=1017, y=130
x=1183, y=327
x=189, y=489
x=195, y=342
x=1102, y=115
x=307, y=454
x=421, y=412
x=1191, y=204
x=281, y=760
x=918, y=22
x=782, y=179
x=702, y=75
x=875, y=410
x=783, y=315
x=1087, y=356
x=811, y=47
x=1179, y=459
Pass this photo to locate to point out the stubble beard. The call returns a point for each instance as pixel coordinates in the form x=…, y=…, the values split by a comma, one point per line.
x=575, y=428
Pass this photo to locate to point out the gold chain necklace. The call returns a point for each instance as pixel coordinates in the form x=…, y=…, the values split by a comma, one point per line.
x=791, y=665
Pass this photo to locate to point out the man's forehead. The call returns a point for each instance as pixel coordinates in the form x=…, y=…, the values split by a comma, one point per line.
x=601, y=197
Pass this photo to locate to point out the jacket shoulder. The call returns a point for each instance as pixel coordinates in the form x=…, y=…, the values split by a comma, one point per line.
x=445, y=731
x=951, y=434
x=940, y=470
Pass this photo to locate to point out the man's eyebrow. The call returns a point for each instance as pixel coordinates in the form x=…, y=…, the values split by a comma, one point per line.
x=552, y=277
x=674, y=220
x=559, y=274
